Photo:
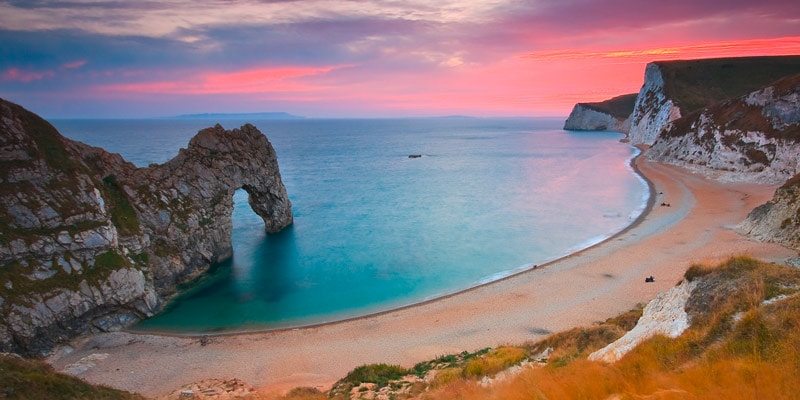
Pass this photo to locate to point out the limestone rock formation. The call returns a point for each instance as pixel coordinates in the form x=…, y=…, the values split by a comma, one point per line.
x=777, y=221
x=753, y=138
x=609, y=115
x=653, y=109
x=664, y=315
x=89, y=242
x=673, y=89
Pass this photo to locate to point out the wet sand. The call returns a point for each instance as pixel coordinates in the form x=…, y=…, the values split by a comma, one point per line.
x=589, y=286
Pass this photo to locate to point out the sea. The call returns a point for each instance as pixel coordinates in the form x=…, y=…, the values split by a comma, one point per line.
x=375, y=229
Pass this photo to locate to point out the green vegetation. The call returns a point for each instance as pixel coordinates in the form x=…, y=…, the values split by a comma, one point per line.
x=58, y=193
x=48, y=141
x=448, y=361
x=695, y=84
x=110, y=260
x=21, y=287
x=734, y=115
x=28, y=379
x=618, y=107
x=379, y=374
x=123, y=215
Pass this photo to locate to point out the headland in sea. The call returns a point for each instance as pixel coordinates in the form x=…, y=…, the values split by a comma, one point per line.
x=590, y=285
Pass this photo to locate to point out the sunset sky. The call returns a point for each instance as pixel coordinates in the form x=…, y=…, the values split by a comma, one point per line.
x=376, y=58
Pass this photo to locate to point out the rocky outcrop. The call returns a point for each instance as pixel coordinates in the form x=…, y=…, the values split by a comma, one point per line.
x=753, y=138
x=664, y=315
x=777, y=221
x=89, y=242
x=653, y=109
x=609, y=115
x=673, y=89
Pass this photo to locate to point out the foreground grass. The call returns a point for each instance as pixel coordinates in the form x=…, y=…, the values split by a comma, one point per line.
x=744, y=343
x=738, y=347
x=29, y=379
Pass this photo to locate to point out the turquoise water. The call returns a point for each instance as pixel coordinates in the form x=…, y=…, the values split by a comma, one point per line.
x=375, y=229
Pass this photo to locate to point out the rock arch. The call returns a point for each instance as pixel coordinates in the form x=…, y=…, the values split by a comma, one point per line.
x=93, y=243
x=196, y=190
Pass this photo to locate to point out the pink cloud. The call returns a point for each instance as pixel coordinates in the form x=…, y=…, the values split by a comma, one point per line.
x=258, y=80
x=18, y=75
x=74, y=64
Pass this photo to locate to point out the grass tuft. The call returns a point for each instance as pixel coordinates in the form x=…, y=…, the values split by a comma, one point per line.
x=28, y=379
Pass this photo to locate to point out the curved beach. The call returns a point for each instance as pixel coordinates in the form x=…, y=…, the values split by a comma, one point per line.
x=585, y=287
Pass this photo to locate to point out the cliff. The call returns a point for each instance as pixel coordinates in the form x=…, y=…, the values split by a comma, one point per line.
x=753, y=138
x=89, y=242
x=777, y=221
x=611, y=114
x=673, y=89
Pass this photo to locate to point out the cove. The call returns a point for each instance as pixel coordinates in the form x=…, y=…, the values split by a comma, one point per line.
x=376, y=230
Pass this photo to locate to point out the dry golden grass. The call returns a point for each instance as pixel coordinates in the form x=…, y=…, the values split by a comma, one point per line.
x=494, y=362
x=737, y=348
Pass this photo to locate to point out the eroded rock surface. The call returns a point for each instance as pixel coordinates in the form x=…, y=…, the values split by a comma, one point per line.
x=610, y=115
x=777, y=221
x=89, y=242
x=654, y=109
x=754, y=138
x=664, y=315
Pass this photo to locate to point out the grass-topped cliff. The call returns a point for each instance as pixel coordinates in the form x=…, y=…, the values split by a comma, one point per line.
x=694, y=84
x=611, y=114
x=617, y=107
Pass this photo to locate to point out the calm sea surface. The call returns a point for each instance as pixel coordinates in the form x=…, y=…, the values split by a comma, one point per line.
x=375, y=229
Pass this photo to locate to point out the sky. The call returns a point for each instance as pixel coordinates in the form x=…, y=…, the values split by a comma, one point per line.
x=371, y=58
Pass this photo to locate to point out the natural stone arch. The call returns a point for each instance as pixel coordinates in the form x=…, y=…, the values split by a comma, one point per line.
x=108, y=242
x=197, y=188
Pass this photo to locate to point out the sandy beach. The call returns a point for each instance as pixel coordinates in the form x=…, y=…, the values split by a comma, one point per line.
x=588, y=286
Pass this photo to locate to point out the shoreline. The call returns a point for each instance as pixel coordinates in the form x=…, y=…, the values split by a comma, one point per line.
x=648, y=207
x=592, y=284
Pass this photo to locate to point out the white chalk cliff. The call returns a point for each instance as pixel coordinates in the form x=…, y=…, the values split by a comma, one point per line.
x=753, y=138
x=664, y=315
x=653, y=109
x=584, y=118
x=608, y=115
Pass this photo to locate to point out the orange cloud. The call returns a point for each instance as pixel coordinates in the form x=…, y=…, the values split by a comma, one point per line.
x=766, y=47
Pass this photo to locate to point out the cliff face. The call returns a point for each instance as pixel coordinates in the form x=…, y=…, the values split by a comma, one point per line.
x=609, y=115
x=89, y=242
x=676, y=88
x=653, y=108
x=753, y=138
x=777, y=221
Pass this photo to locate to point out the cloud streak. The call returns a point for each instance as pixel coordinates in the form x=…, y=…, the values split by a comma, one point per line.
x=260, y=80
